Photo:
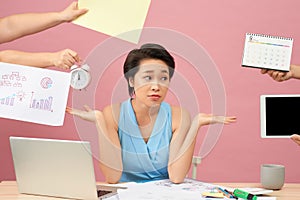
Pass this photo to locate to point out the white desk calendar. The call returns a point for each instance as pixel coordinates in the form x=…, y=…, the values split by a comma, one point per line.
x=267, y=52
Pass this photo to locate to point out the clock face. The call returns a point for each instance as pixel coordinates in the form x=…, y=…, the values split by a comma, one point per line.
x=80, y=78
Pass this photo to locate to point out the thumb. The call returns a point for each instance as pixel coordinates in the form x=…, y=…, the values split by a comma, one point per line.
x=87, y=108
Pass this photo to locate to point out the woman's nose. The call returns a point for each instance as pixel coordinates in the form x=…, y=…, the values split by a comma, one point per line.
x=154, y=86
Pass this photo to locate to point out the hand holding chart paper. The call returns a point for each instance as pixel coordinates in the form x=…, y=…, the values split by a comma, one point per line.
x=33, y=94
x=117, y=18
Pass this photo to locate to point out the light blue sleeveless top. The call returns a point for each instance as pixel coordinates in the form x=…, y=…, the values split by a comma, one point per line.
x=143, y=161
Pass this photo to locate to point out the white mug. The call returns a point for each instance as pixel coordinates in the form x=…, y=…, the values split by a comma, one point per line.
x=272, y=176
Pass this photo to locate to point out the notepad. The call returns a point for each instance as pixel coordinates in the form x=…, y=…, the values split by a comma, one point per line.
x=267, y=52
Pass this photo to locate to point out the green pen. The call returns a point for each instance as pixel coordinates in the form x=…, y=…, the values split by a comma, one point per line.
x=244, y=195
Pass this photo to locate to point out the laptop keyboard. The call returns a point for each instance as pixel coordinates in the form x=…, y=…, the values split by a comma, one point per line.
x=103, y=192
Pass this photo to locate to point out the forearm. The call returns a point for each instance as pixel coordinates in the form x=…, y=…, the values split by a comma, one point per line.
x=110, y=152
x=28, y=59
x=15, y=26
x=179, y=168
x=181, y=154
x=295, y=69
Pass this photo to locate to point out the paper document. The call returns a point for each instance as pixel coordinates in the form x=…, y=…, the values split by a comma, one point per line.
x=164, y=190
x=33, y=94
x=190, y=189
x=117, y=18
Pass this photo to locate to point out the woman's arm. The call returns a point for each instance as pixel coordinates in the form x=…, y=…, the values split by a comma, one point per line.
x=62, y=59
x=19, y=25
x=183, y=143
x=109, y=144
x=179, y=165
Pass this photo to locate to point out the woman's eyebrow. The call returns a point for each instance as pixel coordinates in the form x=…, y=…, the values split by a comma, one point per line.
x=164, y=71
x=148, y=71
x=152, y=71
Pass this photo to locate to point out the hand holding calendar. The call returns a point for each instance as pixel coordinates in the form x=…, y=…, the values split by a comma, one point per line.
x=267, y=52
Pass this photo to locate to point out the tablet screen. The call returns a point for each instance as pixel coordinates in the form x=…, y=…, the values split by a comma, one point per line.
x=280, y=115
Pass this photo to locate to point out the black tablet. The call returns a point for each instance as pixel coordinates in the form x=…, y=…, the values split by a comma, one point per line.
x=280, y=115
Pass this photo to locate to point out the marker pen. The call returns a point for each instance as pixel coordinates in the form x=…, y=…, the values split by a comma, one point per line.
x=244, y=195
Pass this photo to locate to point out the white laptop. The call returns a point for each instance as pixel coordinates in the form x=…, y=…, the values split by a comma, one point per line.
x=58, y=168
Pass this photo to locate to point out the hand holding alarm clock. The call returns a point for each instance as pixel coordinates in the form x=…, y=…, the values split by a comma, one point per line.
x=80, y=76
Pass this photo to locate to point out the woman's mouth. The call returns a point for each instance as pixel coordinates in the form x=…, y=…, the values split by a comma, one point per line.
x=154, y=97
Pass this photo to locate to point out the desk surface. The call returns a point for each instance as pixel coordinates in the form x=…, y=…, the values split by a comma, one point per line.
x=290, y=191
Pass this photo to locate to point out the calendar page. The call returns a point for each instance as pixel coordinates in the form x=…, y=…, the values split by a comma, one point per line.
x=268, y=52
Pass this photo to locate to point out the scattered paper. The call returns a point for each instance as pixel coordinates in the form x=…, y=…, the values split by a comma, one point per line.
x=190, y=189
x=165, y=190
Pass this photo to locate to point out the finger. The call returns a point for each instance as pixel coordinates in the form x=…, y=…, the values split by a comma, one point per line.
x=229, y=120
x=218, y=119
x=285, y=76
x=65, y=66
x=87, y=108
x=75, y=5
x=69, y=61
x=274, y=75
x=295, y=137
x=82, y=11
x=263, y=71
x=232, y=118
x=277, y=77
x=74, y=55
x=69, y=110
x=281, y=74
x=270, y=72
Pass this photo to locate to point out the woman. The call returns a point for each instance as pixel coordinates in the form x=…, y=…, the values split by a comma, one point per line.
x=145, y=138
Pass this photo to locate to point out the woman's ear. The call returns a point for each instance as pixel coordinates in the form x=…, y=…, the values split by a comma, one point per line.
x=131, y=82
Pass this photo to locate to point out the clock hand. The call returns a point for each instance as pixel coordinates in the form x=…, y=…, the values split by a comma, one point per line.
x=78, y=77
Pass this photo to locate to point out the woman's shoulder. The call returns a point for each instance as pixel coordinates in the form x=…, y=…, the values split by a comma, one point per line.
x=112, y=108
x=178, y=110
x=180, y=115
x=111, y=114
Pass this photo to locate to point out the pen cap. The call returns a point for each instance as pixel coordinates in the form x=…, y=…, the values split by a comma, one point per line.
x=244, y=195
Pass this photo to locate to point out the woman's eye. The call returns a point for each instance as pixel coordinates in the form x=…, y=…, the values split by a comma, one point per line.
x=164, y=78
x=147, y=78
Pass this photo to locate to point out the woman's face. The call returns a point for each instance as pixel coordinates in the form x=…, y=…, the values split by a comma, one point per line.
x=151, y=82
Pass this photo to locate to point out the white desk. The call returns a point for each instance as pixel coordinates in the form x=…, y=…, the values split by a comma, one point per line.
x=290, y=191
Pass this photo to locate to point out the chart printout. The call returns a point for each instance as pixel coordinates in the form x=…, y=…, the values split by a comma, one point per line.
x=33, y=94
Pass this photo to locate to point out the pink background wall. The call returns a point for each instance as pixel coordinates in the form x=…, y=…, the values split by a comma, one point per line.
x=219, y=27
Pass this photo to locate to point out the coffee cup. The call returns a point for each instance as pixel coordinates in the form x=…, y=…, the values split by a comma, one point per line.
x=272, y=176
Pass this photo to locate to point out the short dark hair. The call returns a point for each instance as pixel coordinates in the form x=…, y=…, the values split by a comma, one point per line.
x=146, y=51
